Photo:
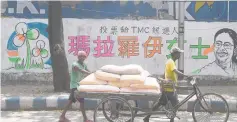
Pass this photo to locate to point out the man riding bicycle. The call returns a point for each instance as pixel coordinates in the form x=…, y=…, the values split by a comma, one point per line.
x=171, y=78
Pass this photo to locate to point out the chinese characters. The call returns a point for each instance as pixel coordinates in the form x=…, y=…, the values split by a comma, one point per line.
x=155, y=44
x=129, y=46
x=157, y=30
x=79, y=43
x=103, y=48
x=199, y=47
x=115, y=41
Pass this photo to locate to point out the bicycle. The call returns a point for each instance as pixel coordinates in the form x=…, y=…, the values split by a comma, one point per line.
x=200, y=105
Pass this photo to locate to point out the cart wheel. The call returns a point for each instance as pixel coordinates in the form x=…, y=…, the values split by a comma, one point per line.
x=108, y=115
x=118, y=109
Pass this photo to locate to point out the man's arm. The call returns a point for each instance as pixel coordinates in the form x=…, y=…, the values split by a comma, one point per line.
x=182, y=74
x=179, y=73
x=163, y=76
x=82, y=70
x=162, y=79
x=87, y=69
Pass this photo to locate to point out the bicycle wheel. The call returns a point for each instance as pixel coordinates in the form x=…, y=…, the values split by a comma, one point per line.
x=106, y=108
x=123, y=111
x=210, y=107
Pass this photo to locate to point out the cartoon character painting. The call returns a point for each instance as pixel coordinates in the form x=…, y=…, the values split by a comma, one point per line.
x=28, y=46
x=225, y=51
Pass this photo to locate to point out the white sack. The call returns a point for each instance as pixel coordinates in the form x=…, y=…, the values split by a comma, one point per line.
x=98, y=88
x=91, y=80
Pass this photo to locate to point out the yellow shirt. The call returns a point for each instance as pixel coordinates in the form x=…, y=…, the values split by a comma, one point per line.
x=170, y=74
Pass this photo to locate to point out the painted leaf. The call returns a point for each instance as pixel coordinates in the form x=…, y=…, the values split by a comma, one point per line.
x=36, y=52
x=14, y=59
x=19, y=40
x=196, y=71
x=32, y=34
x=21, y=28
x=44, y=53
x=20, y=67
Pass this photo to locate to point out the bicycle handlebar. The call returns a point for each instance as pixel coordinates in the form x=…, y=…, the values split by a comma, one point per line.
x=189, y=79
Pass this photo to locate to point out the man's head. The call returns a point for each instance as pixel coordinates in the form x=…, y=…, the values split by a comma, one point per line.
x=82, y=56
x=175, y=53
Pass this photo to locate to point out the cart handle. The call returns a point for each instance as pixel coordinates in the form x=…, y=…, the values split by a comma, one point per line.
x=191, y=80
x=163, y=81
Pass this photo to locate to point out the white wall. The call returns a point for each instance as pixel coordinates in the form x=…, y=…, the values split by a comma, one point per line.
x=155, y=64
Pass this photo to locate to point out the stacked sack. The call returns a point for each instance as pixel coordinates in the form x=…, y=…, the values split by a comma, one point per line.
x=120, y=76
x=92, y=84
x=112, y=78
x=129, y=78
x=149, y=85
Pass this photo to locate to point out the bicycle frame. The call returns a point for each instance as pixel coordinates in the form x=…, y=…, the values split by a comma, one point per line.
x=175, y=108
x=187, y=98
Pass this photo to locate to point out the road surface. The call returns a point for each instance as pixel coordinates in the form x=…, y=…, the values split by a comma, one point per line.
x=75, y=116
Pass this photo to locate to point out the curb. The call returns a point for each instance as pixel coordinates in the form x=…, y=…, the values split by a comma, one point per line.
x=59, y=102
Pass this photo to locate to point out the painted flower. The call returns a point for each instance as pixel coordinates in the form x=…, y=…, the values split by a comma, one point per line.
x=23, y=33
x=39, y=49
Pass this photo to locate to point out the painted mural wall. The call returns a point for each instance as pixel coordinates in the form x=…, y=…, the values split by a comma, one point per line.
x=25, y=45
x=210, y=48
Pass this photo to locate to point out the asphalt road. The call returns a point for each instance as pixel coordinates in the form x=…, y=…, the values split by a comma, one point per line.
x=75, y=116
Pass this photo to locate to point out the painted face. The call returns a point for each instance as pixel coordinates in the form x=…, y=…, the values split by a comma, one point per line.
x=224, y=48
